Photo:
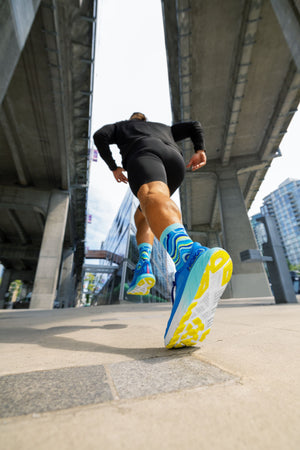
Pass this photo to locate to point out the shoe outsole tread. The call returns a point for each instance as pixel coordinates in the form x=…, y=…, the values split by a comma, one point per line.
x=143, y=285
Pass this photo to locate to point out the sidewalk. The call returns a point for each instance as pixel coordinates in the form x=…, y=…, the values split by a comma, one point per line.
x=100, y=378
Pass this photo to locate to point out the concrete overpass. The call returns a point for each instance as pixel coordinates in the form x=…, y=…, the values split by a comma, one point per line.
x=234, y=65
x=46, y=59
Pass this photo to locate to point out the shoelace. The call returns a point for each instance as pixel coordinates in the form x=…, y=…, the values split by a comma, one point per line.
x=173, y=292
x=191, y=260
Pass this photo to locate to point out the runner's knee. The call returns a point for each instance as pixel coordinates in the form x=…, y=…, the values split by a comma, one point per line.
x=152, y=190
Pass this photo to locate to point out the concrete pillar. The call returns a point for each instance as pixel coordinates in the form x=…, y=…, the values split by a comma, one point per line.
x=45, y=283
x=16, y=19
x=248, y=280
x=6, y=278
x=66, y=291
x=78, y=292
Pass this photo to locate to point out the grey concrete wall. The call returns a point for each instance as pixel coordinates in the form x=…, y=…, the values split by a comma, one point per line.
x=6, y=278
x=66, y=291
x=45, y=283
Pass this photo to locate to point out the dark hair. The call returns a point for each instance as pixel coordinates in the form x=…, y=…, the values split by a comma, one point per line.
x=138, y=116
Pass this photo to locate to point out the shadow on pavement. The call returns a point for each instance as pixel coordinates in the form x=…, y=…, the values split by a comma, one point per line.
x=50, y=338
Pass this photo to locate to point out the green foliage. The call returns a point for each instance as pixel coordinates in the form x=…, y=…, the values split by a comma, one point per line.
x=15, y=289
x=90, y=277
x=294, y=267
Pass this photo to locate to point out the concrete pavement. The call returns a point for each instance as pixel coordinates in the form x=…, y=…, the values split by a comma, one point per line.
x=96, y=378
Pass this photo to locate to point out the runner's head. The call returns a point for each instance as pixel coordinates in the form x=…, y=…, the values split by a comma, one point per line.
x=138, y=116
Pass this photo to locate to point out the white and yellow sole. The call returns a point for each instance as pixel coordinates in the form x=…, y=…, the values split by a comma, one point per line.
x=194, y=315
x=143, y=286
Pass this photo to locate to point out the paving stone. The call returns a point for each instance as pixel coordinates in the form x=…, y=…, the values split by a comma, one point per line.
x=51, y=390
x=159, y=375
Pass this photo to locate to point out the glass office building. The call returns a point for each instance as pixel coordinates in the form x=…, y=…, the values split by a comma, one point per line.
x=122, y=249
x=259, y=231
x=284, y=205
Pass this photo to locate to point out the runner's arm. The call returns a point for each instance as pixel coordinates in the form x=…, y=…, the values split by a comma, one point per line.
x=192, y=130
x=102, y=139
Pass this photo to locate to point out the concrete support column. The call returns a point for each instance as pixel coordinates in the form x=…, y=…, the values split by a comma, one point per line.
x=66, y=292
x=6, y=278
x=248, y=279
x=45, y=283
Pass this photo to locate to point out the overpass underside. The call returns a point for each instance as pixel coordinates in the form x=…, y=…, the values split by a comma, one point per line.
x=234, y=66
x=46, y=58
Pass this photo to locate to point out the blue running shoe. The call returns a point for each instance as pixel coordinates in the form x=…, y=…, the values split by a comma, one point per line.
x=143, y=279
x=199, y=286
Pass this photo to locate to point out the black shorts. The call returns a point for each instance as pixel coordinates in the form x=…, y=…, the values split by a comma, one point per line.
x=161, y=162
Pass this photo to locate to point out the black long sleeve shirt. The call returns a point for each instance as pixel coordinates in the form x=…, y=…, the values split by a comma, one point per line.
x=133, y=135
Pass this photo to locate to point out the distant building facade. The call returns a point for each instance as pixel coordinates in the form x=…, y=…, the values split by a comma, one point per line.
x=121, y=241
x=259, y=231
x=284, y=205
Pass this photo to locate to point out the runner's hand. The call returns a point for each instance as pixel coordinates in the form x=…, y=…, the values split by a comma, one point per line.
x=198, y=160
x=119, y=176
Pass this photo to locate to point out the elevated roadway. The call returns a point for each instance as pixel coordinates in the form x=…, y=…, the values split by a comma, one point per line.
x=46, y=58
x=234, y=66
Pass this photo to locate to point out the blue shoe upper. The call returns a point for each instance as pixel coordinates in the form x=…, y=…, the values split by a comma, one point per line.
x=142, y=268
x=182, y=275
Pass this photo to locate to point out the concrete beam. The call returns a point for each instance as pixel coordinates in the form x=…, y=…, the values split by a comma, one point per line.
x=240, y=164
x=290, y=26
x=240, y=76
x=13, y=252
x=171, y=33
x=24, y=199
x=16, y=19
x=24, y=275
x=2, y=236
x=24, y=238
x=287, y=100
x=99, y=268
x=104, y=254
x=283, y=113
x=58, y=69
x=10, y=128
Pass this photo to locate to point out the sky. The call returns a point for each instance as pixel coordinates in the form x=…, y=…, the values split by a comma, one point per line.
x=131, y=75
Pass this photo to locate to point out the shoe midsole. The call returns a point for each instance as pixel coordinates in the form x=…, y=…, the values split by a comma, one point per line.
x=191, y=289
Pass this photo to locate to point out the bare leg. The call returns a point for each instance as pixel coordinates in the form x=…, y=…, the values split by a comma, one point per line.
x=143, y=279
x=160, y=211
x=143, y=231
x=191, y=322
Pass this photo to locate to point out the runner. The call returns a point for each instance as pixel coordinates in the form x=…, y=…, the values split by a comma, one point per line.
x=156, y=168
